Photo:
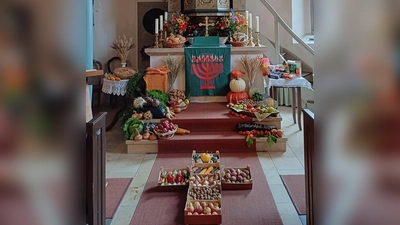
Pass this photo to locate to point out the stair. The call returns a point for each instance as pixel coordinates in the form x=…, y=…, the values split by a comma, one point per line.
x=212, y=128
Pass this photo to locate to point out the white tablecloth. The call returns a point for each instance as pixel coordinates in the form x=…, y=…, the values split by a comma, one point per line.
x=114, y=87
x=295, y=82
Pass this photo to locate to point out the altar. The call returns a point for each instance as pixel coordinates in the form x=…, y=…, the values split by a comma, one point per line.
x=156, y=59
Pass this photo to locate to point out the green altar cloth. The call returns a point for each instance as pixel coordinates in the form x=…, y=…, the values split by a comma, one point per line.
x=207, y=70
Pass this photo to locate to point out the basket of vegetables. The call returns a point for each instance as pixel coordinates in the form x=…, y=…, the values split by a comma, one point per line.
x=165, y=129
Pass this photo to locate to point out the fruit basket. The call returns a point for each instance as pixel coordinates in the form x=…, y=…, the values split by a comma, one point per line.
x=205, y=159
x=165, y=130
x=239, y=43
x=194, y=212
x=236, y=178
x=175, y=45
x=172, y=179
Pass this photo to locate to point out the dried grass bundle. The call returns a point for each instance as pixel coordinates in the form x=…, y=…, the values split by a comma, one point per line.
x=251, y=65
x=123, y=46
x=174, y=65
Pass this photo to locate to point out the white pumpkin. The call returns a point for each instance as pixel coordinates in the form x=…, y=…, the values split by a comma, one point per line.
x=237, y=85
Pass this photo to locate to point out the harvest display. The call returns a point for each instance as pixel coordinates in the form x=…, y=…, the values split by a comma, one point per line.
x=204, y=180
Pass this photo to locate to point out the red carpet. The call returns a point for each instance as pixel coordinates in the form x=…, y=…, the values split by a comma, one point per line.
x=296, y=187
x=210, y=125
x=115, y=191
x=240, y=207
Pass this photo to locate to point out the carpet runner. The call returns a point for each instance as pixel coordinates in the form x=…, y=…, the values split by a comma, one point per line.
x=254, y=206
x=212, y=128
x=296, y=187
x=115, y=191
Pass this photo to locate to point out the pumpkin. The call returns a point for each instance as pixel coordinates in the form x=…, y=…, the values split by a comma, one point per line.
x=237, y=85
x=236, y=74
x=205, y=157
x=234, y=97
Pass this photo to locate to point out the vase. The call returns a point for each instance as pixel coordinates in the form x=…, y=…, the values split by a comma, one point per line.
x=252, y=89
x=190, y=40
x=123, y=64
x=222, y=40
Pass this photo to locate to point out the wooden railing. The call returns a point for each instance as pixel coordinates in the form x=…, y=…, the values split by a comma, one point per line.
x=95, y=170
x=309, y=163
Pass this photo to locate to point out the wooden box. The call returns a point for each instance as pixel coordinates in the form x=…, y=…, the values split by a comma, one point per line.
x=165, y=186
x=235, y=186
x=207, y=164
x=193, y=193
x=203, y=219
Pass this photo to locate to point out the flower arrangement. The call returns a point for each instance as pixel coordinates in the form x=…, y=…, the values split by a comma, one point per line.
x=177, y=24
x=227, y=26
x=192, y=30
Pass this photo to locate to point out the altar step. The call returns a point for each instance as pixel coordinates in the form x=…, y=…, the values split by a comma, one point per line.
x=212, y=128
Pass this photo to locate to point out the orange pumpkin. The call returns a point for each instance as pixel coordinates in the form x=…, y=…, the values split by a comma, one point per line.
x=236, y=74
x=234, y=97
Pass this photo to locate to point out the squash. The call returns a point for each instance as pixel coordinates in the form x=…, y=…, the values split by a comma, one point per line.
x=205, y=157
x=234, y=97
x=237, y=85
x=236, y=74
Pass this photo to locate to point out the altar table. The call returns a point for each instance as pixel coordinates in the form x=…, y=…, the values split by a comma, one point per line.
x=295, y=84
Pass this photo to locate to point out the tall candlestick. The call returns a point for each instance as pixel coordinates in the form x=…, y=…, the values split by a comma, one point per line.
x=257, y=24
x=161, y=22
x=166, y=15
x=250, y=20
x=156, y=31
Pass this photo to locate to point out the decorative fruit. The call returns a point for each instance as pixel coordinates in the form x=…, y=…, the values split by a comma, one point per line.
x=207, y=210
x=190, y=208
x=203, y=204
x=205, y=157
x=279, y=133
x=236, y=74
x=237, y=85
x=199, y=209
x=234, y=97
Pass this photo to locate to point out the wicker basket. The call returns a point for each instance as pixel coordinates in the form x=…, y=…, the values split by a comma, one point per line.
x=124, y=72
x=167, y=135
x=239, y=43
x=175, y=45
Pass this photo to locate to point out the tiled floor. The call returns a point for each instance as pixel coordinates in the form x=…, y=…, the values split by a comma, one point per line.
x=138, y=166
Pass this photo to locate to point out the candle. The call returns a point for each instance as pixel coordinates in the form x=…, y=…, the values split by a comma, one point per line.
x=156, y=27
x=161, y=22
x=247, y=16
x=166, y=15
x=250, y=20
x=257, y=24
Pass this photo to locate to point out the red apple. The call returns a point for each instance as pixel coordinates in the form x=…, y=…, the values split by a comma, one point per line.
x=199, y=209
x=203, y=204
x=164, y=130
x=195, y=213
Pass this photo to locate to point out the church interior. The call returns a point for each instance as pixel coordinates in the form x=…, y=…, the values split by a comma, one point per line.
x=178, y=86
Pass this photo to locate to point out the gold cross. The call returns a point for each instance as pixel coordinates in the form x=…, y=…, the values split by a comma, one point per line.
x=206, y=25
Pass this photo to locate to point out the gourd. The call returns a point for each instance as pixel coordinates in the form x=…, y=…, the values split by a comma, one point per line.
x=235, y=97
x=236, y=74
x=237, y=85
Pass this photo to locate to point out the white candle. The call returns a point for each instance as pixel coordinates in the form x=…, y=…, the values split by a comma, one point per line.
x=257, y=24
x=166, y=15
x=161, y=22
x=247, y=16
x=156, y=27
x=250, y=20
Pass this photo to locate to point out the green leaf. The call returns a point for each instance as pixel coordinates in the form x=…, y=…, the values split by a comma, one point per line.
x=271, y=139
x=249, y=141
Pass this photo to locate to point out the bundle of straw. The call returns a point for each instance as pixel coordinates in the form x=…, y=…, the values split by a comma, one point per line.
x=174, y=65
x=123, y=46
x=251, y=65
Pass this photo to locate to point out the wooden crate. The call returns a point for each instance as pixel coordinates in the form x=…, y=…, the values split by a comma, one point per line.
x=199, y=179
x=206, y=164
x=203, y=219
x=162, y=187
x=236, y=186
x=191, y=187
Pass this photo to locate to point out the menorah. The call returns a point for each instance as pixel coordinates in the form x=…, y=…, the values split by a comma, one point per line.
x=207, y=68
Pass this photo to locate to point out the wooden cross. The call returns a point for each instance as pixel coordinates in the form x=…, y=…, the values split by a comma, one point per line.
x=206, y=25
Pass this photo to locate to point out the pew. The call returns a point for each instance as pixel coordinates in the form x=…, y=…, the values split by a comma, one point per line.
x=95, y=170
x=309, y=163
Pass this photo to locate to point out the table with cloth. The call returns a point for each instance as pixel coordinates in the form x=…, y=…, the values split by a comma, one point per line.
x=295, y=84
